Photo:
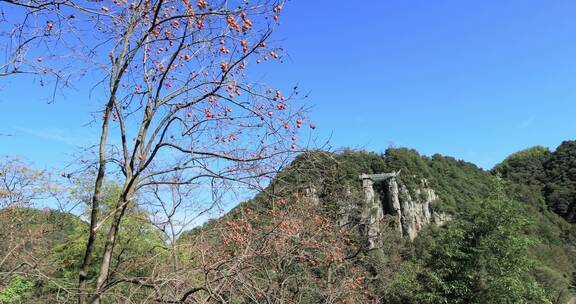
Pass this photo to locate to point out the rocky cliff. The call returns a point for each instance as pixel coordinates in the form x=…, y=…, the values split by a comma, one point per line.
x=412, y=210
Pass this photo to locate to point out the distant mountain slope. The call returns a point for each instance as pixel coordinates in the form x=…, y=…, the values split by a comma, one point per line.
x=24, y=229
x=554, y=173
x=29, y=240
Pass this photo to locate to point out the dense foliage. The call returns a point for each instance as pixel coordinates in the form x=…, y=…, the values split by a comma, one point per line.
x=560, y=187
x=481, y=257
x=552, y=173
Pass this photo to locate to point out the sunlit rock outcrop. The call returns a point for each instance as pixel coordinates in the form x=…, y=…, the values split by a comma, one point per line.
x=412, y=210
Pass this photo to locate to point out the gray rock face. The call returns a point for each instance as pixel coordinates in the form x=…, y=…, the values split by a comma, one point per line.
x=372, y=213
x=416, y=211
x=412, y=211
x=312, y=195
x=392, y=202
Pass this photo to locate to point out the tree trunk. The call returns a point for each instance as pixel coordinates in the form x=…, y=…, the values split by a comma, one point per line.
x=95, y=206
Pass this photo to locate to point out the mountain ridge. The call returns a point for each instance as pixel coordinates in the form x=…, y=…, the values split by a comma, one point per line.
x=310, y=227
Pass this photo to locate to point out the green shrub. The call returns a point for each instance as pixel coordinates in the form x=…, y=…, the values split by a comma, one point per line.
x=16, y=291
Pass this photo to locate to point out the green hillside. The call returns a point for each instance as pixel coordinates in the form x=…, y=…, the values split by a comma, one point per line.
x=541, y=243
x=509, y=239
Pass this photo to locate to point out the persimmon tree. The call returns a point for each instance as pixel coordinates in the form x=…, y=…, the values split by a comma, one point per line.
x=179, y=109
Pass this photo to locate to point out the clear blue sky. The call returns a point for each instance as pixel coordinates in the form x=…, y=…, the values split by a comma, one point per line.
x=477, y=80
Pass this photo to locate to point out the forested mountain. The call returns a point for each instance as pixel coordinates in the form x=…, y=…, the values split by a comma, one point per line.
x=315, y=235
x=553, y=173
